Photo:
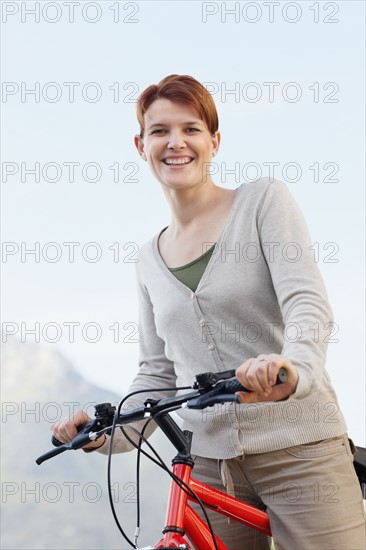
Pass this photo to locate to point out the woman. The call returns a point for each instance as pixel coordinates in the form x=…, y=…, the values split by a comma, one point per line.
x=232, y=283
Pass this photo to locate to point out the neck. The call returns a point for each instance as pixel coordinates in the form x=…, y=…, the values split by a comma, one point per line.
x=190, y=206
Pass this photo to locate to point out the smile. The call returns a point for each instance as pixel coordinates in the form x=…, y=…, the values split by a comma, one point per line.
x=177, y=161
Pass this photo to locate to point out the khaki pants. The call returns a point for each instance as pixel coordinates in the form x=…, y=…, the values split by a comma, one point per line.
x=310, y=492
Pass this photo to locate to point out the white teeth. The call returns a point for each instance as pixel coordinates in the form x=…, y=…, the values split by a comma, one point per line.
x=184, y=160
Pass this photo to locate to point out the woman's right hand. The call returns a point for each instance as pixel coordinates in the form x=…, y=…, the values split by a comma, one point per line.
x=66, y=429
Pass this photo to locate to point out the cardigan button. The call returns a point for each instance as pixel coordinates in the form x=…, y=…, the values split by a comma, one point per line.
x=211, y=347
x=202, y=322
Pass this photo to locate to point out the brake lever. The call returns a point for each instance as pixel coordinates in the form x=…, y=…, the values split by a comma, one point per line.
x=104, y=414
x=225, y=387
x=207, y=379
x=211, y=398
x=83, y=428
x=79, y=441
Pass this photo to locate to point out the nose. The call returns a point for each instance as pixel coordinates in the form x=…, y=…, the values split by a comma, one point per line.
x=176, y=140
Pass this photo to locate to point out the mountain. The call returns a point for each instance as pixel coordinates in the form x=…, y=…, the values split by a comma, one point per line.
x=63, y=503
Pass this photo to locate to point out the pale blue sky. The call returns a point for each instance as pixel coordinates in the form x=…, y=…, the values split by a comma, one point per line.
x=170, y=37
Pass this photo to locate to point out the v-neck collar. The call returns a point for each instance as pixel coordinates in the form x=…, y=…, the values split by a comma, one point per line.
x=212, y=260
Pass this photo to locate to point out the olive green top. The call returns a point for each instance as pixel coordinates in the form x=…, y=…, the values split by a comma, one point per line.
x=190, y=274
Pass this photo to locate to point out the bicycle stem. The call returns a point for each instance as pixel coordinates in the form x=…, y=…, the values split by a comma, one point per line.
x=180, y=439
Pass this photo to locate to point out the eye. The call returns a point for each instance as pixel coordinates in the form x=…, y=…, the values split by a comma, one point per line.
x=160, y=131
x=193, y=130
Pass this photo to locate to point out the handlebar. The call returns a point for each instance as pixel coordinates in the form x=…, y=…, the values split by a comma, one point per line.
x=209, y=389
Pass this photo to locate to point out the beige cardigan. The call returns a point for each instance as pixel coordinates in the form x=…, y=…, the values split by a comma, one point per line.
x=261, y=292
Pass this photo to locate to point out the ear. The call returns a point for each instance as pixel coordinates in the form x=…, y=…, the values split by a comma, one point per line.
x=216, y=138
x=139, y=144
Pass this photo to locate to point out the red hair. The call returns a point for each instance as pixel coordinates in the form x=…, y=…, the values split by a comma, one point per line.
x=180, y=89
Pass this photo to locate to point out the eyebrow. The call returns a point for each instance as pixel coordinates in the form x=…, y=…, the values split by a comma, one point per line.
x=183, y=123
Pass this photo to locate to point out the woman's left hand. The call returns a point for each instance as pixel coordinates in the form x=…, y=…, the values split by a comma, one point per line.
x=259, y=375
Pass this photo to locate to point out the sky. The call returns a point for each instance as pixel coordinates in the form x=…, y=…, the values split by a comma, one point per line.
x=289, y=84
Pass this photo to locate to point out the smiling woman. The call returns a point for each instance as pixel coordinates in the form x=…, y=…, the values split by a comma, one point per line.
x=176, y=144
x=178, y=138
x=203, y=307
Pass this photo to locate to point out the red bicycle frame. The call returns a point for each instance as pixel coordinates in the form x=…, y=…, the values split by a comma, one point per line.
x=182, y=520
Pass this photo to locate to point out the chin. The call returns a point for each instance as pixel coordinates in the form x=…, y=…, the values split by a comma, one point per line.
x=178, y=186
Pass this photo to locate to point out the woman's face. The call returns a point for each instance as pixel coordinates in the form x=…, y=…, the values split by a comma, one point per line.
x=177, y=144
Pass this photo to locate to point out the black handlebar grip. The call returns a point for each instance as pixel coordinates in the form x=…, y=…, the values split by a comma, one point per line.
x=232, y=386
x=55, y=442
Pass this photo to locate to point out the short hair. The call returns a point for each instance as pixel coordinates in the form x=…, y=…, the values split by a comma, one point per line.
x=180, y=89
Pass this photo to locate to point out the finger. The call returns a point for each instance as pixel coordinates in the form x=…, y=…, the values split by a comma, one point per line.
x=279, y=392
x=241, y=373
x=262, y=372
x=70, y=430
x=276, y=363
x=253, y=397
x=65, y=430
x=253, y=374
x=249, y=379
x=57, y=433
x=257, y=375
x=246, y=397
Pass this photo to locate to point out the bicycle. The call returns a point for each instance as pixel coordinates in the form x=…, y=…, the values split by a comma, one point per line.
x=182, y=522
